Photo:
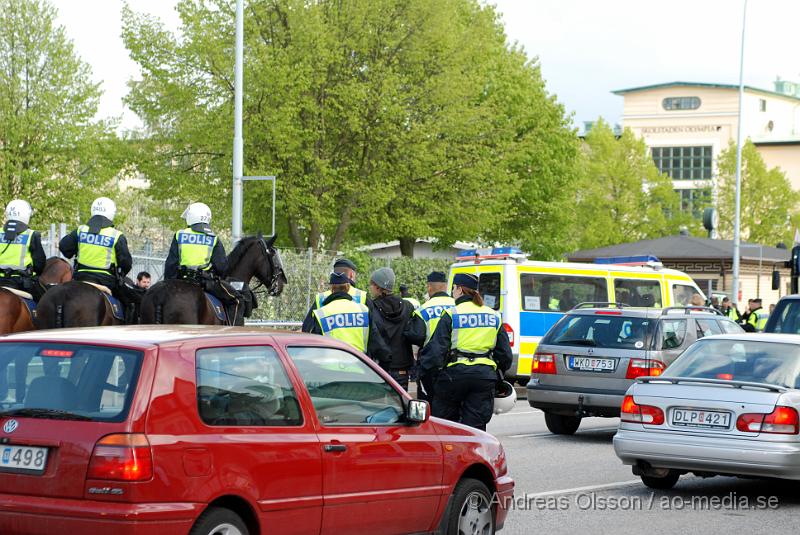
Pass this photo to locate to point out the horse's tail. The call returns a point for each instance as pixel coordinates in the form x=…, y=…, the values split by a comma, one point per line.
x=159, y=314
x=59, y=315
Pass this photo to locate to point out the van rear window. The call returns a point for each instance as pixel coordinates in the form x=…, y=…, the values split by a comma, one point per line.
x=489, y=286
x=558, y=292
x=67, y=381
x=638, y=292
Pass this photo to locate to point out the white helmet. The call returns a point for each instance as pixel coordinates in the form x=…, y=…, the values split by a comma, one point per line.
x=504, y=397
x=105, y=207
x=197, y=212
x=19, y=210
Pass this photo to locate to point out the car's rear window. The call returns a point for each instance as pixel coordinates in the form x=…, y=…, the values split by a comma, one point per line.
x=67, y=381
x=741, y=360
x=602, y=330
x=786, y=318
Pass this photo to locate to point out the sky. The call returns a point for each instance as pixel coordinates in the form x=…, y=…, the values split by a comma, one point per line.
x=586, y=48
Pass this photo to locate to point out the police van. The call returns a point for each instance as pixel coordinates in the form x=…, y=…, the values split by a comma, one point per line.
x=532, y=296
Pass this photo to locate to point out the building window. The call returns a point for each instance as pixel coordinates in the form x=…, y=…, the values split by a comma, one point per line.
x=694, y=201
x=762, y=104
x=683, y=163
x=681, y=103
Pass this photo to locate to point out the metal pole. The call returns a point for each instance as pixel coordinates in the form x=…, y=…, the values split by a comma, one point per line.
x=238, y=144
x=760, y=262
x=310, y=289
x=274, y=186
x=737, y=238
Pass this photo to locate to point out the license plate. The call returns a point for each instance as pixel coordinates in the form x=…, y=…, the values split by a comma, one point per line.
x=701, y=418
x=27, y=459
x=591, y=364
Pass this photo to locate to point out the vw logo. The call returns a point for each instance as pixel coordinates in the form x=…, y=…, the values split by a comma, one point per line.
x=10, y=426
x=591, y=351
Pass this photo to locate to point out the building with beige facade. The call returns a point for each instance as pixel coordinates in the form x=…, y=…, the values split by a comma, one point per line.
x=686, y=125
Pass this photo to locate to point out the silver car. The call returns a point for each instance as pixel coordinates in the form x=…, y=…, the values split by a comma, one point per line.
x=589, y=358
x=728, y=406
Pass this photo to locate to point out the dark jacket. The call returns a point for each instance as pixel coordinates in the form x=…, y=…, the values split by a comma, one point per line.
x=377, y=349
x=433, y=357
x=12, y=229
x=69, y=245
x=392, y=315
x=219, y=260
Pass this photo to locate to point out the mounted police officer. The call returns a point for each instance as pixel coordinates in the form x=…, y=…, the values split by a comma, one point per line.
x=349, y=270
x=101, y=253
x=464, y=355
x=342, y=318
x=22, y=257
x=196, y=254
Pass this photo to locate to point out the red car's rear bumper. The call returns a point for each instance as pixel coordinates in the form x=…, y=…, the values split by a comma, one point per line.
x=31, y=515
x=505, y=496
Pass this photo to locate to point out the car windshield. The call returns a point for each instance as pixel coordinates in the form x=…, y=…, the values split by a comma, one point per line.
x=741, y=360
x=67, y=381
x=602, y=330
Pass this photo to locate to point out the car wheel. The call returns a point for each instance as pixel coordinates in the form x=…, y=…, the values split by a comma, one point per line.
x=561, y=425
x=470, y=510
x=219, y=521
x=663, y=482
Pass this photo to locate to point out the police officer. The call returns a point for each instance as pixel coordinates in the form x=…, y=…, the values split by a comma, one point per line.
x=349, y=270
x=757, y=319
x=197, y=254
x=729, y=310
x=406, y=295
x=427, y=317
x=464, y=355
x=22, y=257
x=342, y=318
x=101, y=251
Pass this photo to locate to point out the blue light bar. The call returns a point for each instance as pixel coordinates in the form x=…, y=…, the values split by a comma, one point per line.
x=636, y=259
x=506, y=250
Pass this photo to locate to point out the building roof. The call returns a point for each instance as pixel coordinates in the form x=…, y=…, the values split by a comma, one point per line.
x=707, y=85
x=682, y=248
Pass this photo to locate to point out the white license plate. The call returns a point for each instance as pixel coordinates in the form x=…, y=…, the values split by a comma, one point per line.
x=591, y=364
x=29, y=459
x=701, y=418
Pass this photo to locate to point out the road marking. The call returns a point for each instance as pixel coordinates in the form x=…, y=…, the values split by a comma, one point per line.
x=549, y=434
x=604, y=486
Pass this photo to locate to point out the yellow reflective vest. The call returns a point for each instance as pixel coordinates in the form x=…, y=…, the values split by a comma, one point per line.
x=475, y=331
x=96, y=252
x=16, y=254
x=359, y=296
x=345, y=320
x=758, y=319
x=431, y=312
x=195, y=249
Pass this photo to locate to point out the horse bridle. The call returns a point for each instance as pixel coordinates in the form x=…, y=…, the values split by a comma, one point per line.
x=277, y=272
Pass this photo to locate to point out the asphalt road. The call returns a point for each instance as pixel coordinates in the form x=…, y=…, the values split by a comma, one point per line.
x=577, y=485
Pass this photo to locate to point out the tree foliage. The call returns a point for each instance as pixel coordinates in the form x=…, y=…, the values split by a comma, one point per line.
x=621, y=196
x=382, y=119
x=769, y=205
x=52, y=152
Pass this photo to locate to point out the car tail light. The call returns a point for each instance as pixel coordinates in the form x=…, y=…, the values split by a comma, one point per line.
x=510, y=332
x=781, y=421
x=544, y=363
x=608, y=312
x=725, y=376
x=121, y=457
x=640, y=414
x=644, y=368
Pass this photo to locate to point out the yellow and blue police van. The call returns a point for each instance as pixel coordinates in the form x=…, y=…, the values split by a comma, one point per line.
x=532, y=296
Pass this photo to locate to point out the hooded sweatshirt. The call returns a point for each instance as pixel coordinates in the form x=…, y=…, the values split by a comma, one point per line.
x=391, y=316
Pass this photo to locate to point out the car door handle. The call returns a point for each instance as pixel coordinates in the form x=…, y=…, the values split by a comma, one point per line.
x=334, y=447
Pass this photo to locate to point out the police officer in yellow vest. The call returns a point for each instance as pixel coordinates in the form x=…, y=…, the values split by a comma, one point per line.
x=465, y=353
x=197, y=254
x=757, y=319
x=101, y=251
x=349, y=270
x=22, y=257
x=342, y=318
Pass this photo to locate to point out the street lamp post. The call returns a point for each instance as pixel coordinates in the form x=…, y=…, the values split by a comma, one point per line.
x=238, y=144
x=737, y=238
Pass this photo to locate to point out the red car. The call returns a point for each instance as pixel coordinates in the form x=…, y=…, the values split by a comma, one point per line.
x=176, y=430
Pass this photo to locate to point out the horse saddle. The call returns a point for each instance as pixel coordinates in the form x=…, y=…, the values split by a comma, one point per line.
x=217, y=307
x=27, y=298
x=117, y=310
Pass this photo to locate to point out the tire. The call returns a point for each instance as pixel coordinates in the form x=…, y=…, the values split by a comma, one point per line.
x=559, y=424
x=470, y=510
x=662, y=483
x=219, y=521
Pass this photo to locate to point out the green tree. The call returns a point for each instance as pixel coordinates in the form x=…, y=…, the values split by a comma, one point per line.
x=382, y=119
x=52, y=152
x=769, y=205
x=621, y=196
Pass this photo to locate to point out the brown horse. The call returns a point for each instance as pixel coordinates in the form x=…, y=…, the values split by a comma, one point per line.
x=14, y=315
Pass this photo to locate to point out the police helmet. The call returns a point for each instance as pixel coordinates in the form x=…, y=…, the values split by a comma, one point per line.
x=197, y=212
x=19, y=210
x=105, y=207
x=504, y=397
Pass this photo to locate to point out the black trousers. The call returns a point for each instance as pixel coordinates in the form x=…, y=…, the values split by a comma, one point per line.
x=401, y=376
x=25, y=283
x=463, y=396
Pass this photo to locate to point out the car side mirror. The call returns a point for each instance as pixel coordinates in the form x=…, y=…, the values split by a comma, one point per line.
x=418, y=411
x=776, y=279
